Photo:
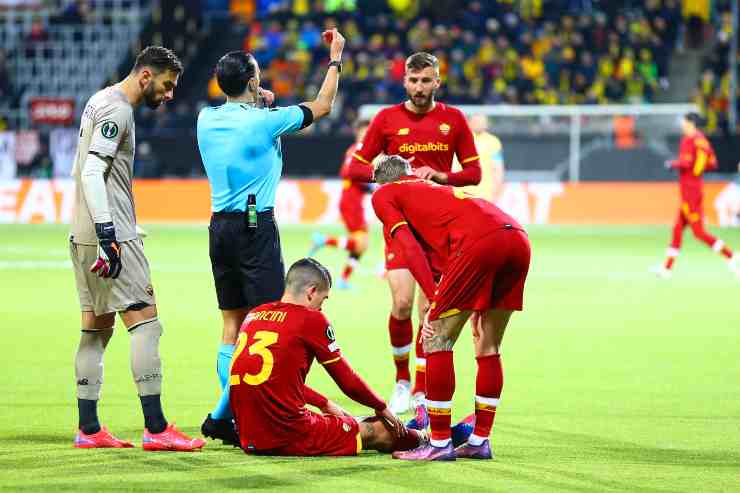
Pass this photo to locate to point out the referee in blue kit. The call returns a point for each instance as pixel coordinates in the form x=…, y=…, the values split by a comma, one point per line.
x=239, y=143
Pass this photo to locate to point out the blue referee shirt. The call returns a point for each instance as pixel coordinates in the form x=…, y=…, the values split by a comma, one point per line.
x=240, y=148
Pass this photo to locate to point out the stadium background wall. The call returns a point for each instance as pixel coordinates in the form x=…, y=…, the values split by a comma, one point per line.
x=602, y=161
x=315, y=201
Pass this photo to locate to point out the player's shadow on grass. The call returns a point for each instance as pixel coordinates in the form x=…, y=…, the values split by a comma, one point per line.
x=38, y=439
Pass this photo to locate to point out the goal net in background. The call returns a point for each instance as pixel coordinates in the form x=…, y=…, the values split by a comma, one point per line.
x=582, y=143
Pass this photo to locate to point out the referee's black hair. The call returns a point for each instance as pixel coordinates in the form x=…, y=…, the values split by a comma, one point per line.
x=233, y=72
x=305, y=273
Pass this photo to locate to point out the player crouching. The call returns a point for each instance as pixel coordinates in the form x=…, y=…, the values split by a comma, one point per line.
x=276, y=346
x=486, y=254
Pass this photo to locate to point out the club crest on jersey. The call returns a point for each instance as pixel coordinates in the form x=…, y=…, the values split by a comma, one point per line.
x=445, y=129
x=330, y=333
x=109, y=130
x=346, y=427
x=403, y=131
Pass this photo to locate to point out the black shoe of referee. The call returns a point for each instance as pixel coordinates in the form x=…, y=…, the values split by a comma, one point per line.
x=220, y=429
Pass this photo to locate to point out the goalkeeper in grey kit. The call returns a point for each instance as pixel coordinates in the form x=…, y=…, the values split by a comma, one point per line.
x=111, y=271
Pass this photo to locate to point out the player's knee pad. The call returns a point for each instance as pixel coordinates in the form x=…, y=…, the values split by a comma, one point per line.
x=89, y=362
x=146, y=365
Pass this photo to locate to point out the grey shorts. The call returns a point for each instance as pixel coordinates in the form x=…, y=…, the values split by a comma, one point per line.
x=103, y=296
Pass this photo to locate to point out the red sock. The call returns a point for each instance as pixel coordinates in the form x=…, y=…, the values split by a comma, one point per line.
x=332, y=241
x=670, y=257
x=349, y=267
x=351, y=245
x=401, y=336
x=420, y=382
x=488, y=384
x=440, y=388
x=726, y=251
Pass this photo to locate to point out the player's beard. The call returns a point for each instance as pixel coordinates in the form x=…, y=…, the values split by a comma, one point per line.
x=420, y=100
x=150, y=97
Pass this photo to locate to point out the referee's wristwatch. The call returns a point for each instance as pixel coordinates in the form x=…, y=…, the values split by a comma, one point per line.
x=338, y=64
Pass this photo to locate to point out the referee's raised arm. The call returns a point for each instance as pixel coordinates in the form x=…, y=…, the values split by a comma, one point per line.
x=322, y=105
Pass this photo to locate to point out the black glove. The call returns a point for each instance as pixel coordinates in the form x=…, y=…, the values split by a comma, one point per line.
x=108, y=263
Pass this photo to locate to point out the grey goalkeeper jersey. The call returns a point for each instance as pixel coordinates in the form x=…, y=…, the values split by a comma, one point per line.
x=106, y=128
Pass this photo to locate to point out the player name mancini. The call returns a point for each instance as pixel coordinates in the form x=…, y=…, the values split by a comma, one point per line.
x=429, y=146
x=267, y=315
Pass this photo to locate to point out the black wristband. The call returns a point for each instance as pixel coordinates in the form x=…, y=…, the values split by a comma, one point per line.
x=105, y=231
x=336, y=64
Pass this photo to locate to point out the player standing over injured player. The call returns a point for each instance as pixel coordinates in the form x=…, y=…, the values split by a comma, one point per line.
x=111, y=271
x=487, y=256
x=429, y=134
x=695, y=156
x=353, y=214
x=276, y=347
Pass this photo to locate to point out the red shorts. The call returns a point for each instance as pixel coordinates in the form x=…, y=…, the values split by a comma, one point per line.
x=325, y=435
x=489, y=274
x=352, y=212
x=691, y=210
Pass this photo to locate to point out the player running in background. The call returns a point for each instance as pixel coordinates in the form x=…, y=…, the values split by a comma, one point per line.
x=353, y=214
x=268, y=390
x=491, y=154
x=695, y=156
x=111, y=271
x=487, y=256
x=429, y=134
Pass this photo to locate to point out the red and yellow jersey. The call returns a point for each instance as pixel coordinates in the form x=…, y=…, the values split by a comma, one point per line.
x=443, y=219
x=351, y=187
x=428, y=139
x=695, y=157
x=277, y=345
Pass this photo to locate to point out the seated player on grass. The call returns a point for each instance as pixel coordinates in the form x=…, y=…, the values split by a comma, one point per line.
x=276, y=347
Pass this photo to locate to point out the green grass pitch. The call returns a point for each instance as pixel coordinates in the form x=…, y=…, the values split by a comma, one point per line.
x=615, y=380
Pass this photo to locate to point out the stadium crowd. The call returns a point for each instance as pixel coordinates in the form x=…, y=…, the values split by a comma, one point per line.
x=712, y=93
x=490, y=52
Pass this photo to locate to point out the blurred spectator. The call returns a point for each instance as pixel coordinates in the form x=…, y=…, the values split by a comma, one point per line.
x=76, y=12
x=41, y=166
x=712, y=93
x=6, y=88
x=146, y=164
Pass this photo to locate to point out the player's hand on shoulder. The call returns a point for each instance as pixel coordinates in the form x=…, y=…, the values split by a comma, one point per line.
x=108, y=263
x=392, y=422
x=334, y=409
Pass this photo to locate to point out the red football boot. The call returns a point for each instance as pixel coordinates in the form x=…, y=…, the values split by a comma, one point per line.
x=171, y=439
x=101, y=439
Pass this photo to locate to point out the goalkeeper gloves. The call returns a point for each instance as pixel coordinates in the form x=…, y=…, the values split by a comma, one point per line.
x=108, y=263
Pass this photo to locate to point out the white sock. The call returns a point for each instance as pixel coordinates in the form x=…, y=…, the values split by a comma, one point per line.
x=475, y=440
x=440, y=443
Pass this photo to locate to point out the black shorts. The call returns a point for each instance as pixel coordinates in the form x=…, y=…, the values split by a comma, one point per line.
x=247, y=263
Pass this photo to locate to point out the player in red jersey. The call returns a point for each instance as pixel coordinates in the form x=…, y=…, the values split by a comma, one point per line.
x=695, y=157
x=276, y=347
x=486, y=254
x=353, y=214
x=429, y=134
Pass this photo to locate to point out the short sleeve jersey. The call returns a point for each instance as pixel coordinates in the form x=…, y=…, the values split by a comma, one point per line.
x=107, y=129
x=444, y=219
x=430, y=139
x=697, y=156
x=242, y=154
x=277, y=345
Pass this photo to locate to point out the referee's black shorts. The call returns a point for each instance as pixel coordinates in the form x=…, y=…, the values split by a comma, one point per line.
x=247, y=263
